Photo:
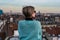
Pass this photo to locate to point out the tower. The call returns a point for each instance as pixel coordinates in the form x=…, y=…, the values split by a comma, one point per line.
x=1, y=12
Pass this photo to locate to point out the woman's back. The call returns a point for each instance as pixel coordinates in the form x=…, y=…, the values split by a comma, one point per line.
x=30, y=30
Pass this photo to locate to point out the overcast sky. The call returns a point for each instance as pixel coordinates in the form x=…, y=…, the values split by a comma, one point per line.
x=37, y=3
x=52, y=3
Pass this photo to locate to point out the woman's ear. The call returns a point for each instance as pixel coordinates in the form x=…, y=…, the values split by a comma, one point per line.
x=33, y=15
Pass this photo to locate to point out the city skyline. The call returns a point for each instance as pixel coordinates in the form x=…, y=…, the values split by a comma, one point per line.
x=40, y=5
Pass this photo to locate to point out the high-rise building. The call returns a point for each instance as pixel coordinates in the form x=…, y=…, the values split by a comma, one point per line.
x=1, y=11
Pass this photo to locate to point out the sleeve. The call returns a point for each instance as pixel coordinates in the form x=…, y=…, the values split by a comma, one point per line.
x=19, y=27
x=19, y=30
x=39, y=30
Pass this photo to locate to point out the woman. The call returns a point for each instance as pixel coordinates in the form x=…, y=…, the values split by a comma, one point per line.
x=29, y=29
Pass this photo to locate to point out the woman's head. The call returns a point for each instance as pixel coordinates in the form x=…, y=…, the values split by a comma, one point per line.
x=29, y=11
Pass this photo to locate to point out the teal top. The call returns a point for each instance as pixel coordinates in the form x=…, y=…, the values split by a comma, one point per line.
x=30, y=30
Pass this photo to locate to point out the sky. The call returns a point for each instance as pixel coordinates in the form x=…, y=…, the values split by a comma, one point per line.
x=40, y=5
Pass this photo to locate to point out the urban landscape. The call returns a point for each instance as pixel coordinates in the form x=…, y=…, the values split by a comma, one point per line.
x=9, y=23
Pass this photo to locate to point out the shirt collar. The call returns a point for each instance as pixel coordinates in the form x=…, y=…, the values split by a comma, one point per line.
x=28, y=19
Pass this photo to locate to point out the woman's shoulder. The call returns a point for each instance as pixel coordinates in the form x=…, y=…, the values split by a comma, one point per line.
x=21, y=21
x=37, y=21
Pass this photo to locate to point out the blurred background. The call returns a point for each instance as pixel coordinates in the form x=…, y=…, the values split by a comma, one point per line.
x=47, y=12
